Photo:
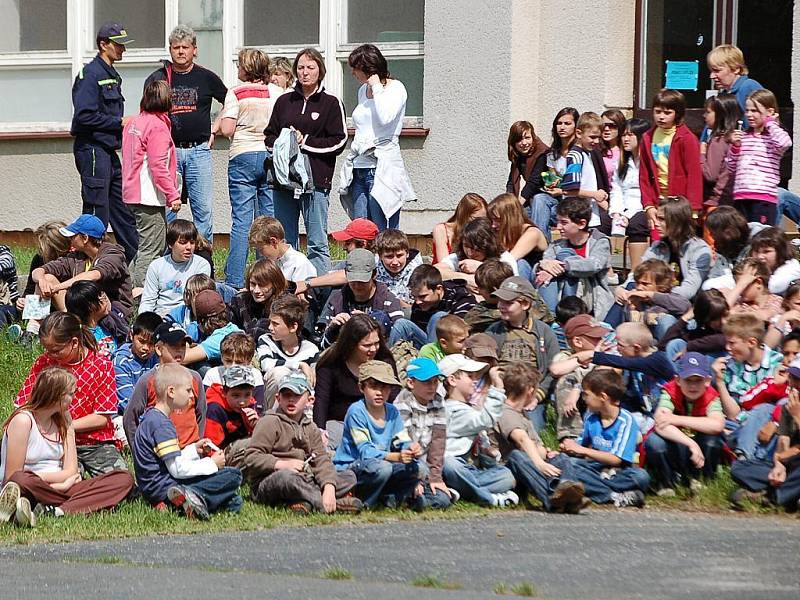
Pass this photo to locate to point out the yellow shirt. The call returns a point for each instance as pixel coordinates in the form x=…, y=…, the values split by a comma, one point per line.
x=662, y=140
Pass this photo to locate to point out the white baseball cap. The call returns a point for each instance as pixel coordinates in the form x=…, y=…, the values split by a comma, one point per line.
x=453, y=363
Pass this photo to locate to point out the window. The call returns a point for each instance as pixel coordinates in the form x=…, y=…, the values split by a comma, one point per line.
x=686, y=30
x=385, y=21
x=33, y=25
x=274, y=23
x=143, y=19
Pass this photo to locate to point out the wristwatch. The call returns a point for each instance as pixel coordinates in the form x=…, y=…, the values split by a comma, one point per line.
x=307, y=281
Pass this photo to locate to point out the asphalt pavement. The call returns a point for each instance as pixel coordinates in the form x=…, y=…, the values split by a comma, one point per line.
x=600, y=555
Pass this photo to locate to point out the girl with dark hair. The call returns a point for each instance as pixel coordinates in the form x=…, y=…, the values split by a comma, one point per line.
x=68, y=344
x=374, y=175
x=543, y=205
x=360, y=339
x=722, y=117
x=699, y=330
x=771, y=247
x=39, y=461
x=318, y=121
x=528, y=157
x=688, y=255
x=478, y=242
x=245, y=115
x=91, y=305
x=730, y=233
x=150, y=174
x=264, y=282
x=625, y=200
x=611, y=140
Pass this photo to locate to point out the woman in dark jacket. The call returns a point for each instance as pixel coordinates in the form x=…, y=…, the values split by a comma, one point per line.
x=318, y=121
x=528, y=157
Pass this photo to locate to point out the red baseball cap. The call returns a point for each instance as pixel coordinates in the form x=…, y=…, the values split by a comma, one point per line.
x=360, y=229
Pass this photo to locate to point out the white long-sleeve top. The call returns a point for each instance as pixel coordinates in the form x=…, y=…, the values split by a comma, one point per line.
x=626, y=197
x=378, y=118
x=189, y=464
x=784, y=276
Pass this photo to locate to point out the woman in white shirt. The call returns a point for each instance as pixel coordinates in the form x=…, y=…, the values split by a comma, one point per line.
x=247, y=110
x=379, y=184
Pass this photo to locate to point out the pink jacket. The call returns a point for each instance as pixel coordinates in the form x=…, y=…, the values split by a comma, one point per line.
x=149, y=164
x=756, y=163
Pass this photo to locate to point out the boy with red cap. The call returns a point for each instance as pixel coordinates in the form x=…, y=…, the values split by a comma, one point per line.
x=687, y=440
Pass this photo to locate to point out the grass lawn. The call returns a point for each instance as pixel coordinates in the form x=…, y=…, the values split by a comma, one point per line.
x=138, y=519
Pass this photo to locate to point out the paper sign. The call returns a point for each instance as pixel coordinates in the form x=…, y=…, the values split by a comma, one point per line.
x=682, y=74
x=36, y=307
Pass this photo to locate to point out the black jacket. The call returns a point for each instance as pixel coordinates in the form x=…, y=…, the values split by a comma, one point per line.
x=321, y=120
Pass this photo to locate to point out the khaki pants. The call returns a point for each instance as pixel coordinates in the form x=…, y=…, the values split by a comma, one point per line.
x=151, y=223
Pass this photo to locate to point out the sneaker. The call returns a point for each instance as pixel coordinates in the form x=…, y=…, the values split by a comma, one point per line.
x=742, y=496
x=160, y=507
x=505, y=500
x=695, y=485
x=567, y=494
x=301, y=508
x=666, y=492
x=349, y=504
x=27, y=340
x=24, y=516
x=9, y=496
x=454, y=495
x=43, y=510
x=14, y=332
x=193, y=506
x=634, y=498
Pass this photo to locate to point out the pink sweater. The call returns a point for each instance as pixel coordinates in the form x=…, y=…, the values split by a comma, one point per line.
x=149, y=164
x=755, y=164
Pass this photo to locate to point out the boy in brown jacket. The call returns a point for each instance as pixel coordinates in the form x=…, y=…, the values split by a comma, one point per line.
x=287, y=462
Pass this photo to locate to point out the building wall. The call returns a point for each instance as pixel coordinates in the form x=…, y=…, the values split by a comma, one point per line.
x=487, y=64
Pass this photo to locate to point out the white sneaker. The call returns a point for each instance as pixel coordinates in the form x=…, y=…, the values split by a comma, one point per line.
x=632, y=498
x=9, y=496
x=454, y=495
x=24, y=515
x=696, y=485
x=505, y=500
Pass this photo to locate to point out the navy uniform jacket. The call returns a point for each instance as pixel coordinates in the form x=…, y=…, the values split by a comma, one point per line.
x=98, y=105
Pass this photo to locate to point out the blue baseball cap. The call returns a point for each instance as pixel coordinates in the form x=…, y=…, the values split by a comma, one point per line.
x=694, y=364
x=114, y=32
x=85, y=224
x=422, y=369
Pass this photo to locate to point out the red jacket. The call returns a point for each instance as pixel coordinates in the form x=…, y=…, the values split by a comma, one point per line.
x=225, y=424
x=685, y=174
x=700, y=406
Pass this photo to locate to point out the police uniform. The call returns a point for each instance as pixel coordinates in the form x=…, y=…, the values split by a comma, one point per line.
x=98, y=107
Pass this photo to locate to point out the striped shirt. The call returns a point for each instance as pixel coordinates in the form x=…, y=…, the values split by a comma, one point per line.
x=271, y=354
x=740, y=377
x=128, y=368
x=8, y=276
x=620, y=438
x=756, y=163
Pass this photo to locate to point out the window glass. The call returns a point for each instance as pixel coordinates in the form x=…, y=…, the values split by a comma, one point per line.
x=33, y=25
x=206, y=20
x=677, y=30
x=272, y=23
x=143, y=20
x=133, y=83
x=385, y=20
x=409, y=71
x=48, y=87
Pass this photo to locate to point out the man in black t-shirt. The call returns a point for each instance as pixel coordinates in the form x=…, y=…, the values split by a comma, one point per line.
x=193, y=89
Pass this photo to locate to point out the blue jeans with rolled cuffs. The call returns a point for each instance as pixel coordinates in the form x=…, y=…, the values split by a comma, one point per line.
x=475, y=484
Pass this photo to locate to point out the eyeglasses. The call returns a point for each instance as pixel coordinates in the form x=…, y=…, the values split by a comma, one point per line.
x=610, y=126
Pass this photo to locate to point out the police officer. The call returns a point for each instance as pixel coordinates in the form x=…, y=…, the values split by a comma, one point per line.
x=98, y=106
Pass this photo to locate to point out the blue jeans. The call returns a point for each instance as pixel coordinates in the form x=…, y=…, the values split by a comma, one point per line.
x=754, y=475
x=560, y=286
x=314, y=207
x=405, y=329
x=250, y=197
x=542, y=210
x=378, y=479
x=743, y=439
x=531, y=480
x=788, y=205
x=599, y=488
x=365, y=206
x=670, y=463
x=219, y=490
x=194, y=165
x=538, y=416
x=474, y=484
x=662, y=325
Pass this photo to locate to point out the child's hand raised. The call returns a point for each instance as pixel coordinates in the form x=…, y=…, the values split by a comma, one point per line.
x=495, y=378
x=736, y=137
x=719, y=367
x=251, y=415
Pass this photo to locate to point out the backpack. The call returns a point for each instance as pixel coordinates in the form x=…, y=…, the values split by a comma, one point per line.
x=403, y=353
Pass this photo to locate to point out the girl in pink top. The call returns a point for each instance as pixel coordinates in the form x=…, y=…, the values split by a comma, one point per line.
x=754, y=159
x=614, y=124
x=149, y=174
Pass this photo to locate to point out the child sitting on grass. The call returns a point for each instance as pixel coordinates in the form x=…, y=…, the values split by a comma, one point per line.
x=750, y=362
x=91, y=305
x=425, y=419
x=193, y=479
x=486, y=484
x=397, y=261
x=778, y=480
x=213, y=321
x=264, y=283
x=238, y=348
x=687, y=441
x=183, y=314
x=231, y=414
x=132, y=360
x=286, y=468
x=167, y=275
x=375, y=444
x=545, y=474
x=451, y=331
x=269, y=238
x=605, y=455
x=488, y=277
